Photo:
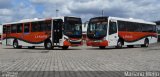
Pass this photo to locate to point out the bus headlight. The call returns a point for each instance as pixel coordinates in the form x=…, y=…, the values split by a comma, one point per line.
x=66, y=38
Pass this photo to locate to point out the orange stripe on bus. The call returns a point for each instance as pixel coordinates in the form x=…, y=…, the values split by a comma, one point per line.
x=132, y=36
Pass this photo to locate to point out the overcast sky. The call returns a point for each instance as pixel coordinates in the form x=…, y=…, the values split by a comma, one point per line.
x=14, y=10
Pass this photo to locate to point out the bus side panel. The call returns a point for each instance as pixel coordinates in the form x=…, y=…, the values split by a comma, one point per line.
x=34, y=39
x=3, y=39
x=30, y=39
x=7, y=42
x=23, y=43
x=140, y=42
x=133, y=38
x=4, y=42
x=153, y=40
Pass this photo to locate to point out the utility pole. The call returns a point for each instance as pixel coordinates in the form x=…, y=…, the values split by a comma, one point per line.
x=57, y=10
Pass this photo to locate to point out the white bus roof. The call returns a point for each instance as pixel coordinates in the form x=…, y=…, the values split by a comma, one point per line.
x=36, y=19
x=132, y=20
x=25, y=21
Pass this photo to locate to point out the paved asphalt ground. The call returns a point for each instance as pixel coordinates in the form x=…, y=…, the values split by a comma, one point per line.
x=81, y=59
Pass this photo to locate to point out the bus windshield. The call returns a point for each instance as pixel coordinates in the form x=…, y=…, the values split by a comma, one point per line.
x=97, y=30
x=73, y=27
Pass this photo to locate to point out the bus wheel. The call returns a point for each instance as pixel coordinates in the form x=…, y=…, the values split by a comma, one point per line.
x=65, y=47
x=119, y=45
x=130, y=46
x=15, y=44
x=102, y=47
x=146, y=43
x=48, y=45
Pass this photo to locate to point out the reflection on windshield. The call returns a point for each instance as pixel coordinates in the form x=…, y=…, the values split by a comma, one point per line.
x=97, y=30
x=73, y=29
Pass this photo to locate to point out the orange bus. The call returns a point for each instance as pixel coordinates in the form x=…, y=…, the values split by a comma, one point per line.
x=119, y=32
x=54, y=32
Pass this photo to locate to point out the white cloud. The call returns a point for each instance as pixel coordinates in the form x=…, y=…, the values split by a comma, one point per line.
x=18, y=12
x=142, y=9
x=24, y=11
x=47, y=2
x=5, y=19
x=5, y=12
x=5, y=4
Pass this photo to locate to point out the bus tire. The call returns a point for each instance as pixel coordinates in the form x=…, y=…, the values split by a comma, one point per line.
x=130, y=46
x=65, y=47
x=15, y=44
x=48, y=44
x=146, y=43
x=119, y=44
x=102, y=47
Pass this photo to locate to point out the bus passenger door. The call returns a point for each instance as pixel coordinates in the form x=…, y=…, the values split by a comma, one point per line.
x=57, y=31
x=113, y=33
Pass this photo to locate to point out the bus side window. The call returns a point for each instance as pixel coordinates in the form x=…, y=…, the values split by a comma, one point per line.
x=4, y=29
x=48, y=25
x=42, y=25
x=121, y=26
x=35, y=27
x=8, y=29
x=26, y=28
x=112, y=28
x=19, y=28
x=155, y=28
x=13, y=28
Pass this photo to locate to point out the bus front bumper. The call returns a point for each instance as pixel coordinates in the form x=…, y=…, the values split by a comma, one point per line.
x=72, y=43
x=97, y=43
